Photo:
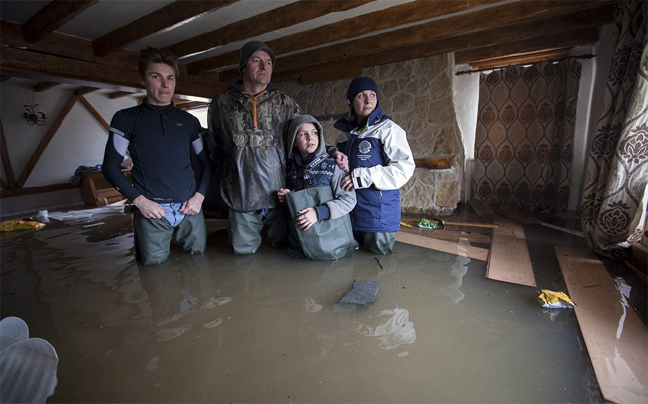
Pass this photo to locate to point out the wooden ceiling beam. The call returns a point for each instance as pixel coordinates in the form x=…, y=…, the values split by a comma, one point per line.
x=168, y=17
x=56, y=66
x=440, y=46
x=503, y=54
x=53, y=16
x=66, y=46
x=349, y=28
x=272, y=20
x=521, y=58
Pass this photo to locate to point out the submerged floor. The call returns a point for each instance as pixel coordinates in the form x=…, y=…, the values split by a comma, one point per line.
x=268, y=328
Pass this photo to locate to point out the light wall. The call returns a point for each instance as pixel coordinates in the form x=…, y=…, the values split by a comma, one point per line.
x=79, y=141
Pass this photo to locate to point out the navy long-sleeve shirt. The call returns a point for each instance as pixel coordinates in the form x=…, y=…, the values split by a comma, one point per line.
x=160, y=140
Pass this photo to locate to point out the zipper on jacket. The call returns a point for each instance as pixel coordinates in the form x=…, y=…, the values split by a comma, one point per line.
x=254, y=108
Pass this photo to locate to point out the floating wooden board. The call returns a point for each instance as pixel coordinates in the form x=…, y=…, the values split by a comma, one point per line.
x=442, y=245
x=509, y=259
x=616, y=338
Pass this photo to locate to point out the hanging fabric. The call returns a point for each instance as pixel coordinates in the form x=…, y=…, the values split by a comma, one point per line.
x=524, y=138
x=613, y=210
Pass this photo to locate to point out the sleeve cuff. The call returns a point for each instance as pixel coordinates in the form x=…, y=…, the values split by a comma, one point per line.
x=323, y=212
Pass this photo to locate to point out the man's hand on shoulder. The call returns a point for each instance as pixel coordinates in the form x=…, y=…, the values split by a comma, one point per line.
x=342, y=160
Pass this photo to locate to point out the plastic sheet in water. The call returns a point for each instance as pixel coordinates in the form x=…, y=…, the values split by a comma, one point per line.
x=363, y=293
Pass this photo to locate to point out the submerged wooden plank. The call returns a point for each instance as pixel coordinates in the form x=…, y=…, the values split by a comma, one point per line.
x=616, y=339
x=456, y=236
x=442, y=245
x=509, y=259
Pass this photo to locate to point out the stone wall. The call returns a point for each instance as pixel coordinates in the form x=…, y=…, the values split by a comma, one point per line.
x=418, y=95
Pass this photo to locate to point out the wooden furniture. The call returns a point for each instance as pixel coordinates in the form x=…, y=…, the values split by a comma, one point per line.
x=96, y=191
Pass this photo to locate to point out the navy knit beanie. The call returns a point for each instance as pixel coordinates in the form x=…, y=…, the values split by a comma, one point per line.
x=360, y=84
x=249, y=48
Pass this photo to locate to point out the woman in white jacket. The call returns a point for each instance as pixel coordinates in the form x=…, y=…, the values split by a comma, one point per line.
x=380, y=162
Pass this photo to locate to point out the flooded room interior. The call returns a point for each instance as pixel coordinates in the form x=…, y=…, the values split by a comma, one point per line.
x=519, y=271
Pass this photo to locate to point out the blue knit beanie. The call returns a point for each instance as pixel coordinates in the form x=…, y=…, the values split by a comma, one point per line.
x=360, y=84
x=249, y=48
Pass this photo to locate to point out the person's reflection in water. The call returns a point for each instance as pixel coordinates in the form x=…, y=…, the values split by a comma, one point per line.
x=181, y=294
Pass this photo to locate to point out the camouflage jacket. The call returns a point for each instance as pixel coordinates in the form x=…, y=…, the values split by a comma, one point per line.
x=247, y=145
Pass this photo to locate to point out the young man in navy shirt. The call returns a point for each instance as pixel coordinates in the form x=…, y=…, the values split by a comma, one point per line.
x=167, y=200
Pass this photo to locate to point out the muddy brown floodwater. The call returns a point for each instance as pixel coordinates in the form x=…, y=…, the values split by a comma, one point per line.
x=267, y=327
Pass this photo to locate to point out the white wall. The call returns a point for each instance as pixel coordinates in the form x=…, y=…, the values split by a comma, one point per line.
x=201, y=114
x=466, y=99
x=590, y=96
x=79, y=141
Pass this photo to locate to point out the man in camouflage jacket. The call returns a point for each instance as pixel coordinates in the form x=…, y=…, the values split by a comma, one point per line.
x=247, y=147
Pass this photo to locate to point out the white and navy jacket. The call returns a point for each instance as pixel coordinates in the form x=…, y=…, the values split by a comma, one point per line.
x=380, y=162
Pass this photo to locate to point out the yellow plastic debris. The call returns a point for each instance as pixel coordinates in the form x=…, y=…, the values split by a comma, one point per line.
x=17, y=225
x=549, y=298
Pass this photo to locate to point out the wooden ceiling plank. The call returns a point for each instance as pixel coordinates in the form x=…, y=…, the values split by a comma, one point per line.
x=349, y=28
x=52, y=16
x=163, y=19
x=272, y=20
x=575, y=38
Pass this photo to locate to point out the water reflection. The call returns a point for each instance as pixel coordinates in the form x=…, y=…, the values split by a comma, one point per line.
x=458, y=271
x=178, y=290
x=396, y=330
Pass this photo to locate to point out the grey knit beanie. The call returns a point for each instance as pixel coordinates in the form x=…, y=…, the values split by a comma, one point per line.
x=249, y=48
